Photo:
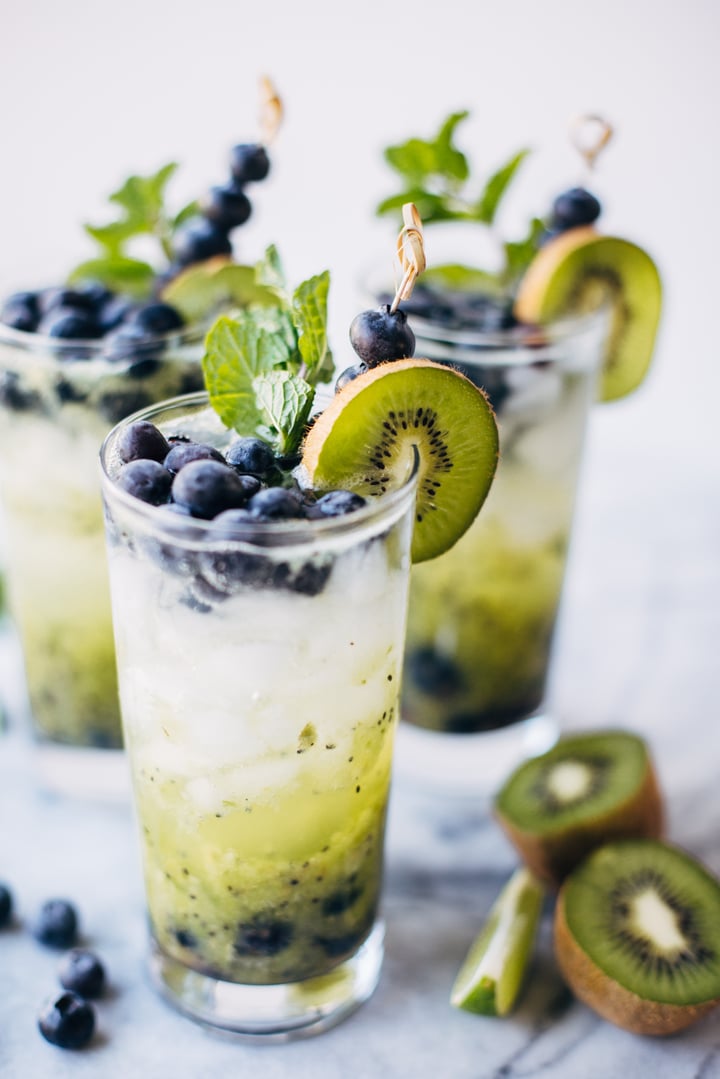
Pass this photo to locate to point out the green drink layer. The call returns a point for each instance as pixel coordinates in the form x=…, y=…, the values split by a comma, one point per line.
x=482, y=616
x=273, y=887
x=54, y=415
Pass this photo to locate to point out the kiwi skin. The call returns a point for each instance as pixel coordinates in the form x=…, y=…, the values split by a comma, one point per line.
x=611, y=1000
x=551, y=857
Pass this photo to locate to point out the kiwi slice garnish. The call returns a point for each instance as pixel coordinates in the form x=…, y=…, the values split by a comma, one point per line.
x=637, y=936
x=367, y=437
x=579, y=271
x=587, y=790
x=492, y=974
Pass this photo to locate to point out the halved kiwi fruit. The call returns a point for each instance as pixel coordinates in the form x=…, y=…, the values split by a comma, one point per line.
x=637, y=936
x=579, y=271
x=588, y=789
x=365, y=440
x=492, y=974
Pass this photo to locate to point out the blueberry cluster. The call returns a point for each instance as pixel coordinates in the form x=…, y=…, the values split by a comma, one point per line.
x=224, y=208
x=67, y=1020
x=461, y=310
x=377, y=337
x=90, y=312
x=196, y=480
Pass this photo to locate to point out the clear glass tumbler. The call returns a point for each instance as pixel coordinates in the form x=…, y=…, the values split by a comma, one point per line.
x=58, y=399
x=482, y=616
x=259, y=675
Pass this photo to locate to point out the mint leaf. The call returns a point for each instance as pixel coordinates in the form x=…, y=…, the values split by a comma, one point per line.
x=236, y=351
x=420, y=160
x=142, y=196
x=309, y=314
x=430, y=207
x=520, y=253
x=190, y=209
x=269, y=270
x=208, y=286
x=113, y=236
x=487, y=205
x=119, y=273
x=457, y=277
x=284, y=401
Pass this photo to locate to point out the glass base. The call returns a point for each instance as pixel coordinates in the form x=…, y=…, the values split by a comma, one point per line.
x=100, y=775
x=468, y=765
x=272, y=1013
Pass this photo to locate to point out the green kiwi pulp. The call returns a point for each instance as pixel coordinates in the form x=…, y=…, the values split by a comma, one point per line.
x=589, y=788
x=367, y=438
x=579, y=272
x=638, y=935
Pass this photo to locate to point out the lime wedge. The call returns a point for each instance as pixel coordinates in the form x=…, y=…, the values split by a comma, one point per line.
x=489, y=980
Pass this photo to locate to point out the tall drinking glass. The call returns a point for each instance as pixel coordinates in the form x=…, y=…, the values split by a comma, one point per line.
x=259, y=673
x=482, y=616
x=58, y=399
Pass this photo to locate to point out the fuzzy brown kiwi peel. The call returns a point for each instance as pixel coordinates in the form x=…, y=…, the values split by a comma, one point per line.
x=367, y=437
x=588, y=789
x=637, y=936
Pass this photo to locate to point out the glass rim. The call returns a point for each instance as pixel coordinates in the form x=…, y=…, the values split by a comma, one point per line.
x=272, y=536
x=533, y=337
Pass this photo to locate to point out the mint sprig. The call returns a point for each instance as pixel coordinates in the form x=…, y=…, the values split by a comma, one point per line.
x=261, y=366
x=141, y=201
x=438, y=178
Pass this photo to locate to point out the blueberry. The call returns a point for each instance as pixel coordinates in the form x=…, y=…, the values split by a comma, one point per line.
x=114, y=312
x=342, y=900
x=15, y=396
x=182, y=453
x=309, y=580
x=61, y=296
x=23, y=299
x=20, y=316
x=344, y=945
x=57, y=924
x=69, y=324
x=146, y=480
x=381, y=335
x=200, y=239
x=336, y=504
x=207, y=488
x=94, y=293
x=131, y=342
x=68, y=1021
x=185, y=938
x=67, y=391
x=349, y=374
x=227, y=206
x=574, y=208
x=249, y=162
x=157, y=318
x=6, y=905
x=83, y=973
x=251, y=455
x=275, y=503
x=433, y=673
x=142, y=440
x=263, y=937
x=114, y=404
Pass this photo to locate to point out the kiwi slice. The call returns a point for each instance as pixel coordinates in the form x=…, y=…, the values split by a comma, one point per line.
x=577, y=272
x=637, y=936
x=366, y=438
x=491, y=976
x=588, y=789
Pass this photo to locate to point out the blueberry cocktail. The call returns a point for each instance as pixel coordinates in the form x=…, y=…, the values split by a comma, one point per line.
x=74, y=359
x=562, y=315
x=259, y=590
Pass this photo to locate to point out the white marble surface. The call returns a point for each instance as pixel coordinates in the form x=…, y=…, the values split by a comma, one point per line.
x=637, y=647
